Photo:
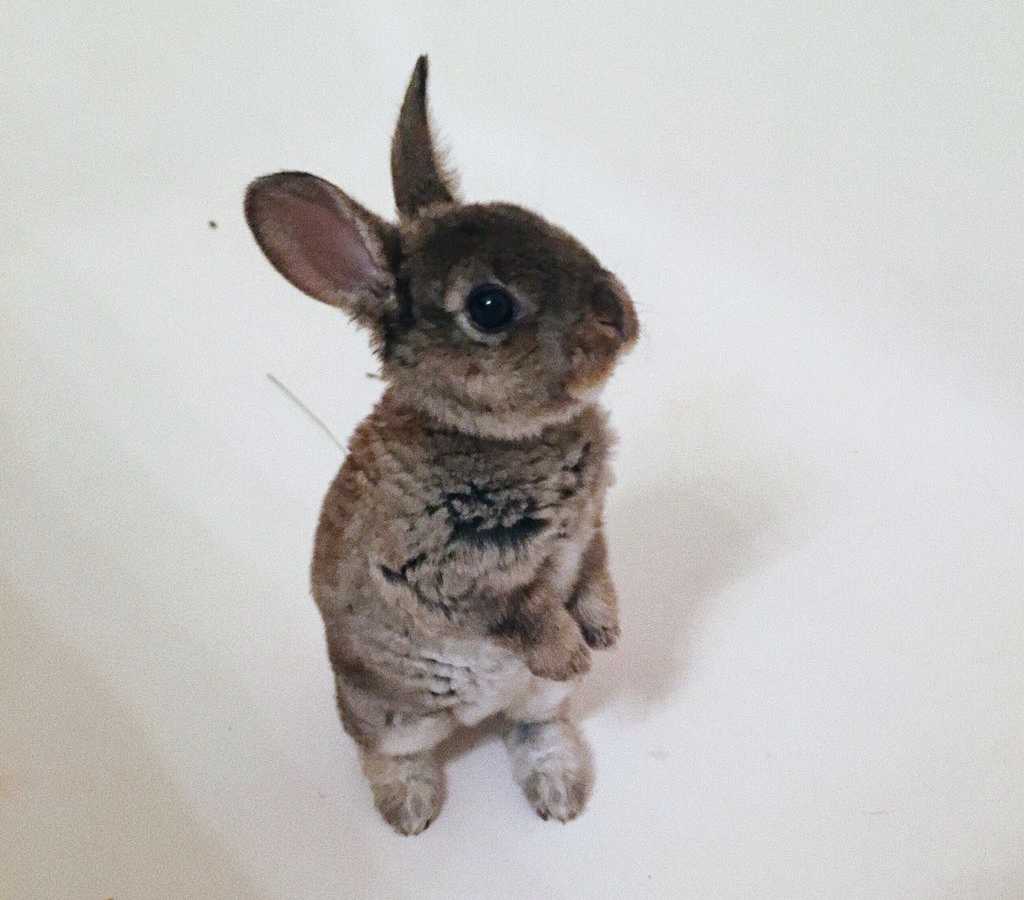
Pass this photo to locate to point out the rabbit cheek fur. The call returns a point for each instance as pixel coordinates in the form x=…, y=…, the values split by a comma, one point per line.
x=459, y=563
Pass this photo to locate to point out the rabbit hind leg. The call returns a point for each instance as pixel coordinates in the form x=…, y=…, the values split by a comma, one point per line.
x=550, y=759
x=397, y=754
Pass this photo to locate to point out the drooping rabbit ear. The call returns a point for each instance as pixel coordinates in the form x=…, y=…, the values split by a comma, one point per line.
x=324, y=242
x=418, y=177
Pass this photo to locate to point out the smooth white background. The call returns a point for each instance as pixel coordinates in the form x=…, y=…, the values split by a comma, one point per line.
x=817, y=527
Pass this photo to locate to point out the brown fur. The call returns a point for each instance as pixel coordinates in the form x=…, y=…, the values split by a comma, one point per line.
x=463, y=532
x=456, y=530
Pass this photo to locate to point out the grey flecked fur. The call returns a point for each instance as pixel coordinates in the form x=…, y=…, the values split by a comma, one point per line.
x=459, y=563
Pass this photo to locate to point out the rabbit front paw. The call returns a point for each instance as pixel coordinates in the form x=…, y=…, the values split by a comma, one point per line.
x=595, y=610
x=560, y=660
x=600, y=637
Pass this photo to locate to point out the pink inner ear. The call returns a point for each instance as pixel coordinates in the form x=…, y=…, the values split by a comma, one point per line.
x=316, y=244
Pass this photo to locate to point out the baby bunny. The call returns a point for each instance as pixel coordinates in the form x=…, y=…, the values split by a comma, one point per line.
x=459, y=563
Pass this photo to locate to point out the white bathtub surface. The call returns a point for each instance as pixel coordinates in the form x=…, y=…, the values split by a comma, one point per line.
x=818, y=525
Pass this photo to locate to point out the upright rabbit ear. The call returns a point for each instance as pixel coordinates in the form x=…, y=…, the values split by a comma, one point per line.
x=417, y=175
x=324, y=243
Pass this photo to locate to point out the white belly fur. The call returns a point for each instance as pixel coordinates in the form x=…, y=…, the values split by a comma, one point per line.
x=492, y=679
x=488, y=680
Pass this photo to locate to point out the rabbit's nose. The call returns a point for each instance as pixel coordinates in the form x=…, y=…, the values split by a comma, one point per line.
x=614, y=310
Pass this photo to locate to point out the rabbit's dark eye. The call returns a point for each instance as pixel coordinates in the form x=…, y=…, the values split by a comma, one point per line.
x=490, y=308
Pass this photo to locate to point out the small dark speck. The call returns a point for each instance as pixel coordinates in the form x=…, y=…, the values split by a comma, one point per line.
x=374, y=376
x=212, y=224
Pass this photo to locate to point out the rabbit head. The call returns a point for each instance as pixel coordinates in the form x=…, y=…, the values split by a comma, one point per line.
x=485, y=316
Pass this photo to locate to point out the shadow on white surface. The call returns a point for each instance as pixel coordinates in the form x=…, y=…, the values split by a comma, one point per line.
x=669, y=568
x=91, y=809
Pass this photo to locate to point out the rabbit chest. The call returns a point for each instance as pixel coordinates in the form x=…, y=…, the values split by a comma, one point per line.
x=483, y=520
x=425, y=540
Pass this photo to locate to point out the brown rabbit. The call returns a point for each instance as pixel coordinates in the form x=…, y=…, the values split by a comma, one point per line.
x=459, y=563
